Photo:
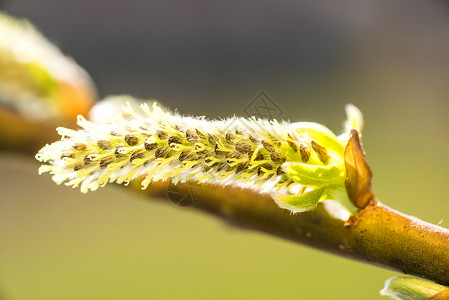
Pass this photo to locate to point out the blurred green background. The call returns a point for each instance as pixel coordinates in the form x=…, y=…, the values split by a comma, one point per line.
x=389, y=58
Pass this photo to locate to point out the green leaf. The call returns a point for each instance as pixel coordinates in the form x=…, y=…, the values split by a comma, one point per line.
x=321, y=134
x=411, y=288
x=314, y=175
x=339, y=194
x=300, y=203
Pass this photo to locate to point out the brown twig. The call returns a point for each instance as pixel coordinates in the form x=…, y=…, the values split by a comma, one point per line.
x=19, y=134
x=377, y=234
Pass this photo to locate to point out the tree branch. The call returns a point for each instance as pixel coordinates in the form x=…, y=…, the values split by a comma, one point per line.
x=377, y=234
x=24, y=135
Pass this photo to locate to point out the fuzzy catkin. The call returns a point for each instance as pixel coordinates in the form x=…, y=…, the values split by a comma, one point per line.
x=36, y=79
x=161, y=145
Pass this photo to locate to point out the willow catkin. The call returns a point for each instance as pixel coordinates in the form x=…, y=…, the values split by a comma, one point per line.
x=36, y=79
x=161, y=145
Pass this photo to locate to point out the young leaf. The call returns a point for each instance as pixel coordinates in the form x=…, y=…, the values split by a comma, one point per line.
x=413, y=288
x=299, y=203
x=313, y=175
x=321, y=134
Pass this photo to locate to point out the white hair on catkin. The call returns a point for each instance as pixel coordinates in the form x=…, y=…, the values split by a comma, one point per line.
x=155, y=144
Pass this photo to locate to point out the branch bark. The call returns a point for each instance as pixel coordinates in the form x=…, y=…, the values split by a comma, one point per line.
x=377, y=234
x=26, y=136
